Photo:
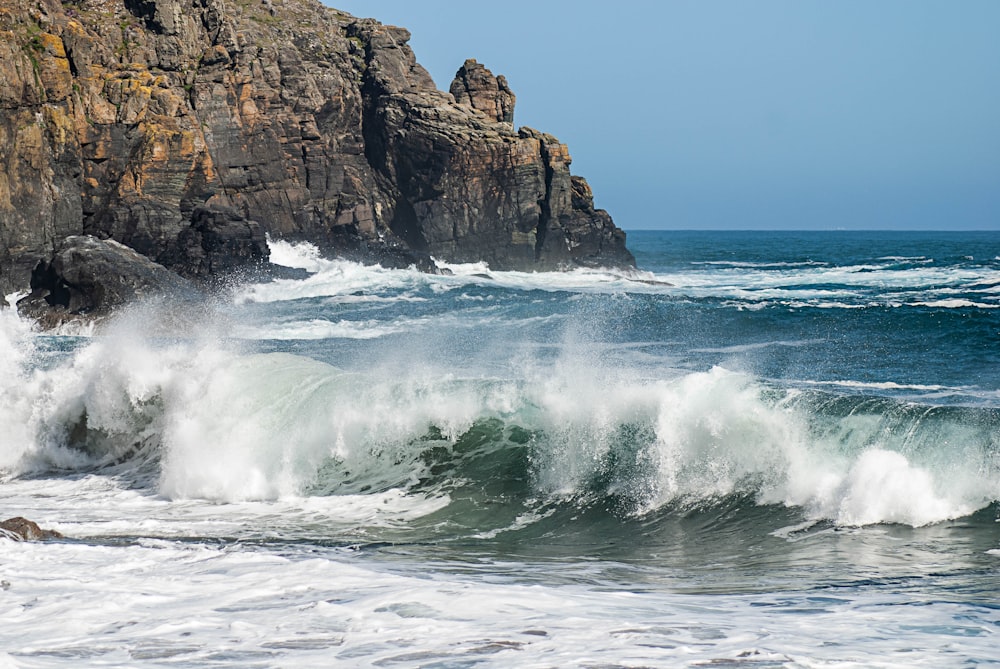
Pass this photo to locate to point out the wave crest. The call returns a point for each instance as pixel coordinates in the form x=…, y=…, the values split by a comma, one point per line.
x=230, y=426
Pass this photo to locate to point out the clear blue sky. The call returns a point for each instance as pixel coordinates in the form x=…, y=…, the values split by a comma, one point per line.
x=771, y=114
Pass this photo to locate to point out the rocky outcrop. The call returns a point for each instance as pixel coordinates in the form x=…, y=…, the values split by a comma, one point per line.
x=22, y=529
x=187, y=129
x=476, y=87
x=90, y=277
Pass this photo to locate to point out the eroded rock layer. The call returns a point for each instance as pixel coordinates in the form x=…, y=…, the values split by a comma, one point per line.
x=186, y=129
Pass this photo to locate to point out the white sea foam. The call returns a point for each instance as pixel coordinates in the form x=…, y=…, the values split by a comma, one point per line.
x=321, y=329
x=301, y=255
x=220, y=501
x=266, y=425
x=160, y=602
x=760, y=265
x=908, y=259
x=342, y=278
x=464, y=269
x=956, y=304
x=830, y=305
x=715, y=434
x=335, y=278
x=104, y=505
x=16, y=348
x=883, y=385
x=234, y=427
x=13, y=298
x=839, y=287
x=794, y=284
x=925, y=392
x=230, y=427
x=883, y=486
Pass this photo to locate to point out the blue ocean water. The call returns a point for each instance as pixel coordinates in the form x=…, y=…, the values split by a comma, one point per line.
x=911, y=308
x=761, y=449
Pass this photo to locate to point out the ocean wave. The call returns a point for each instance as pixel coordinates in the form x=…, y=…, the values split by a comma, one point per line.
x=811, y=304
x=351, y=281
x=898, y=281
x=955, y=304
x=761, y=265
x=316, y=329
x=889, y=385
x=341, y=279
x=300, y=255
x=907, y=259
x=219, y=425
x=834, y=287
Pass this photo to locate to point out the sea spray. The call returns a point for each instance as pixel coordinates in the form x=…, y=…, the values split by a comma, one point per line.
x=16, y=346
x=586, y=420
x=700, y=438
x=751, y=466
x=884, y=487
x=231, y=426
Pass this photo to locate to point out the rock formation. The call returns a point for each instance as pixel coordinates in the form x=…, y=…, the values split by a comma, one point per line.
x=187, y=129
x=91, y=277
x=22, y=529
x=476, y=87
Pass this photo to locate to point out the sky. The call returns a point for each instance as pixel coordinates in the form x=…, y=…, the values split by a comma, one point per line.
x=739, y=114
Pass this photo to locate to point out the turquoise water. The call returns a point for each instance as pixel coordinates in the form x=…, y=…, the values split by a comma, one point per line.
x=761, y=449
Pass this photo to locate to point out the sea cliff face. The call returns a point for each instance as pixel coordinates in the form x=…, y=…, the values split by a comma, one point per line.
x=187, y=129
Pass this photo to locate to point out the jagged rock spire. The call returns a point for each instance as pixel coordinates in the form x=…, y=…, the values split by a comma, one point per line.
x=475, y=86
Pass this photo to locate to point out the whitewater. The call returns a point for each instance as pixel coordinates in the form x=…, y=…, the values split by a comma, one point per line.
x=757, y=450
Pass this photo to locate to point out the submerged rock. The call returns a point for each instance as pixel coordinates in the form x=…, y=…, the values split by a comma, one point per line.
x=22, y=529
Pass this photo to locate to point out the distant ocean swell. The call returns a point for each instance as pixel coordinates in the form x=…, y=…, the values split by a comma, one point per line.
x=194, y=419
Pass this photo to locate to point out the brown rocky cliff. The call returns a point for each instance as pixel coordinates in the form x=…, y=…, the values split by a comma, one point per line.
x=186, y=129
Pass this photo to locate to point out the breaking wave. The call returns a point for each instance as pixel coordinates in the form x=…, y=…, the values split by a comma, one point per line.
x=202, y=420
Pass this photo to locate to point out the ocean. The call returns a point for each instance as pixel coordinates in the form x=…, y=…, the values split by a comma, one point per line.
x=762, y=449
